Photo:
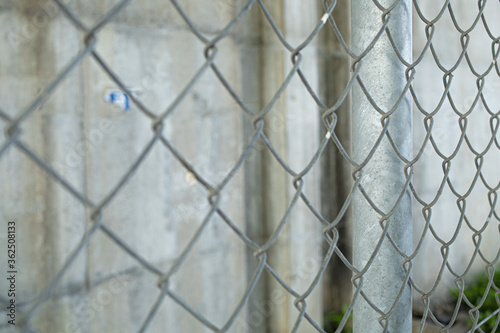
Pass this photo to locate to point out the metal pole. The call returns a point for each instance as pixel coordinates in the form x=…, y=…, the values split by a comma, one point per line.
x=382, y=178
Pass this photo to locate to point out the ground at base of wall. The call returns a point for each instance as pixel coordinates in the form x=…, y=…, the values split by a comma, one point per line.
x=460, y=325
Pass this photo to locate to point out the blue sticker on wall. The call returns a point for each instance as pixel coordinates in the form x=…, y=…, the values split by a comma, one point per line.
x=119, y=98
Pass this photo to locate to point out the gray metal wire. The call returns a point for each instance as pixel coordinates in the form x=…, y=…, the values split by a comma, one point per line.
x=14, y=127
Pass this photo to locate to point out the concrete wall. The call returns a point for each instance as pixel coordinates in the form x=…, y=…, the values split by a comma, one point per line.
x=445, y=213
x=293, y=124
x=92, y=143
x=336, y=176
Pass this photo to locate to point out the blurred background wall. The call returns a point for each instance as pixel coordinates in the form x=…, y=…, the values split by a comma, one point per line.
x=91, y=134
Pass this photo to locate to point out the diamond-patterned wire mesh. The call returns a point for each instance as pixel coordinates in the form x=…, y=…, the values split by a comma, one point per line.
x=455, y=156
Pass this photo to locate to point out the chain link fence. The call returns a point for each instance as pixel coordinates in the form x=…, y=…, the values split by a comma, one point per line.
x=268, y=87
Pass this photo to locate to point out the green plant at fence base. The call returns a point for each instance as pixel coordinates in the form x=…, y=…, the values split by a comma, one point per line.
x=474, y=291
x=333, y=319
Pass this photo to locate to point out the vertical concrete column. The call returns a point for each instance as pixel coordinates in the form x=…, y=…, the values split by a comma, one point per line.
x=292, y=126
x=382, y=178
x=336, y=179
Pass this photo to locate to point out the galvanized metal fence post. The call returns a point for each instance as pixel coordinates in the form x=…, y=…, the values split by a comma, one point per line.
x=382, y=214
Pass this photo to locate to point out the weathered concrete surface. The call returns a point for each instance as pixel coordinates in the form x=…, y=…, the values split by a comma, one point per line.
x=292, y=126
x=336, y=178
x=92, y=143
x=49, y=220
